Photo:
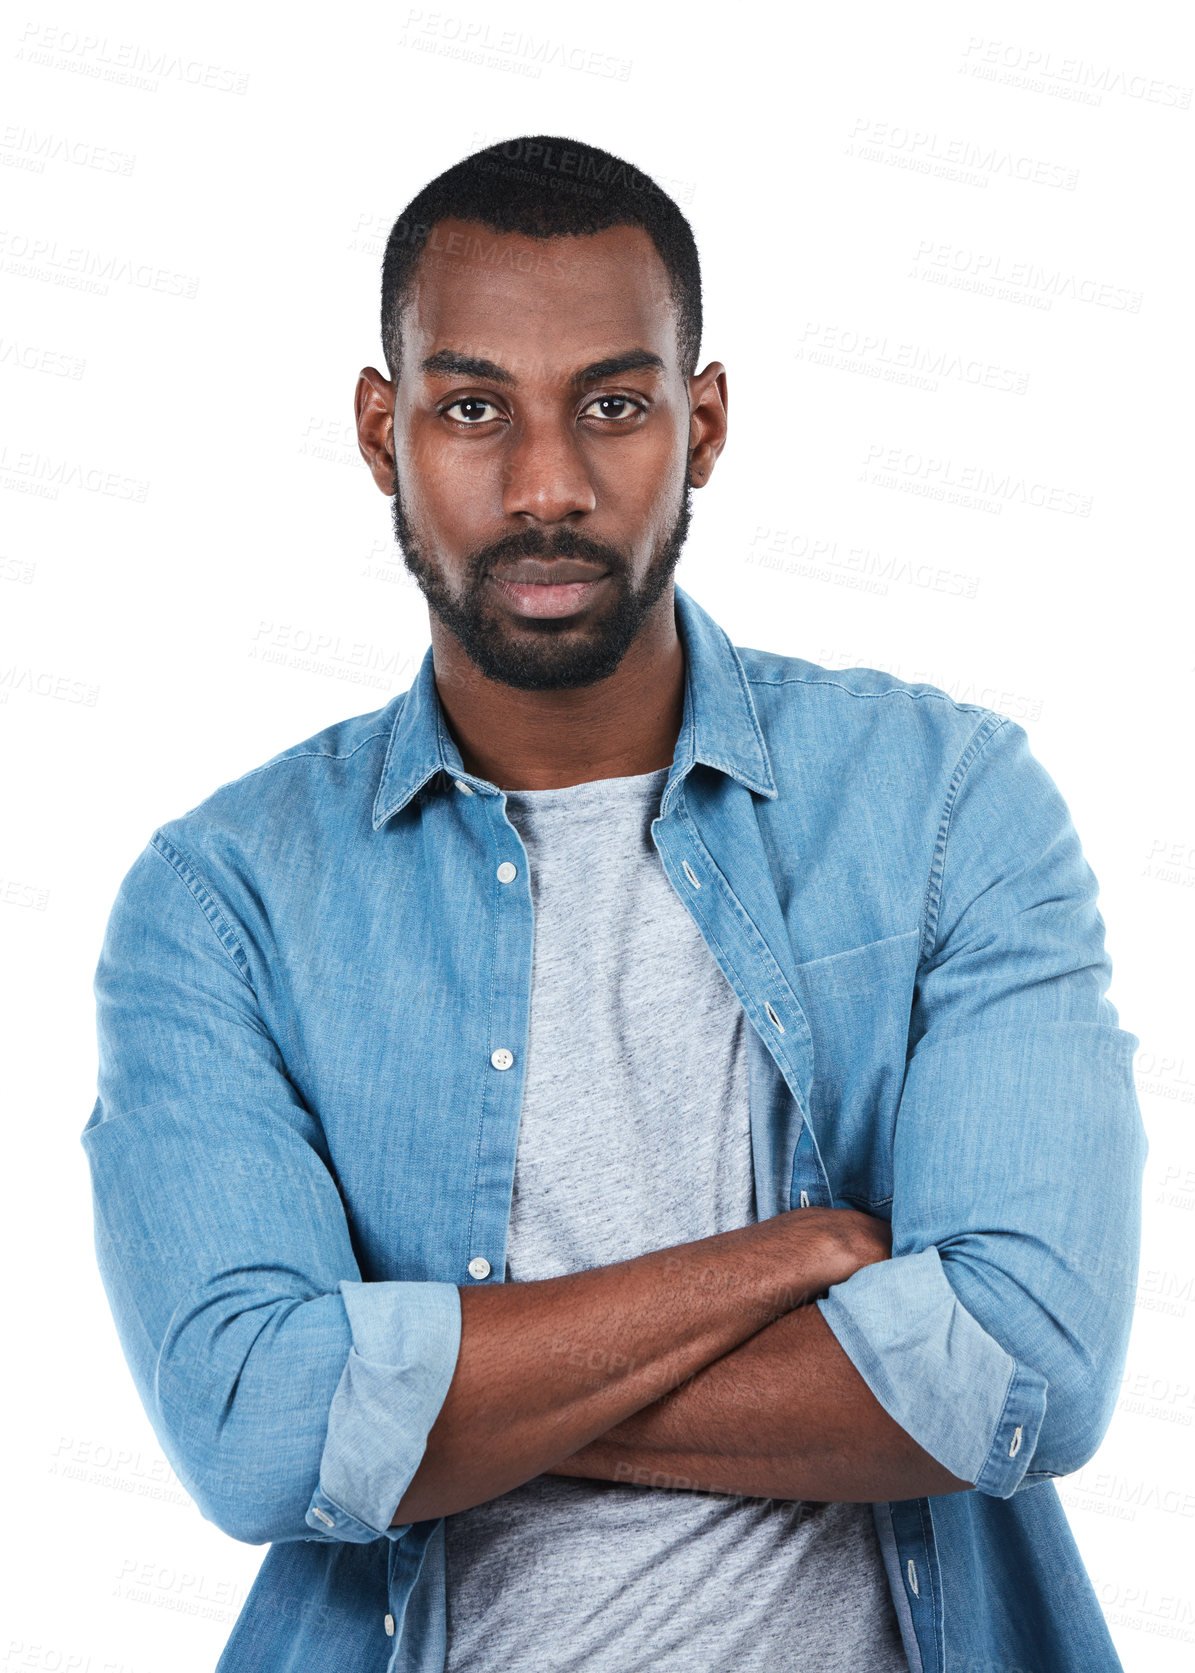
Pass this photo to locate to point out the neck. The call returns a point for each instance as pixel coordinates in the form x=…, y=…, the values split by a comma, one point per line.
x=547, y=740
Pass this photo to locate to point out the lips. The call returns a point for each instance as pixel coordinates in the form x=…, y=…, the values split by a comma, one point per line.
x=559, y=587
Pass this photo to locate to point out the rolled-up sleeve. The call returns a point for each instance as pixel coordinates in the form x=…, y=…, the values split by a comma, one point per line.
x=292, y=1398
x=996, y=1335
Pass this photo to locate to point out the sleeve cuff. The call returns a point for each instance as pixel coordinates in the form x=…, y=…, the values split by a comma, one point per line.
x=405, y=1341
x=937, y=1372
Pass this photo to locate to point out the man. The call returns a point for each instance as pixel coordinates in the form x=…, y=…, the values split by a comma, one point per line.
x=621, y=1158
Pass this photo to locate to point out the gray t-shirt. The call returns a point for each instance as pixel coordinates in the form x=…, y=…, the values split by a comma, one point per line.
x=635, y=1135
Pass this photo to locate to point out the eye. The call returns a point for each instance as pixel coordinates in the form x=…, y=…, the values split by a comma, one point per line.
x=472, y=415
x=626, y=408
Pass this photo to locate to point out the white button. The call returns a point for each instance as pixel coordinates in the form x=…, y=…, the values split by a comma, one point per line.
x=507, y=873
x=388, y=1623
x=479, y=1267
x=464, y=789
x=501, y=1059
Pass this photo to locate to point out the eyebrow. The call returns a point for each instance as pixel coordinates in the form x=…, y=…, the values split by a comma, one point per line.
x=448, y=363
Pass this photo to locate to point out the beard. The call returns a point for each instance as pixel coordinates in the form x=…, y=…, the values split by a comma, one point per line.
x=544, y=654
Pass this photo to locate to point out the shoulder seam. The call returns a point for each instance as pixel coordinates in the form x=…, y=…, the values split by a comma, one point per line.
x=892, y=691
x=987, y=729
x=304, y=755
x=204, y=899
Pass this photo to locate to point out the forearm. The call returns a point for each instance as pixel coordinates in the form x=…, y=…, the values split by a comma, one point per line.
x=784, y=1415
x=546, y=1367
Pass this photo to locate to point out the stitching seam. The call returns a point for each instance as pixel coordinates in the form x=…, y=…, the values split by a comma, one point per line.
x=893, y=691
x=927, y=1535
x=309, y=755
x=986, y=730
x=189, y=878
x=486, y=1073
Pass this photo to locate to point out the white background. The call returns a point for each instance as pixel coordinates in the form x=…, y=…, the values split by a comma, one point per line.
x=196, y=569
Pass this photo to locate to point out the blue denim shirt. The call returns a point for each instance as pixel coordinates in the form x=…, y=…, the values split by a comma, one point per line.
x=301, y=1140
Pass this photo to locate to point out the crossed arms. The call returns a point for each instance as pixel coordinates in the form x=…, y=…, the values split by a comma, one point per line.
x=700, y=1366
x=982, y=1347
x=800, y=1357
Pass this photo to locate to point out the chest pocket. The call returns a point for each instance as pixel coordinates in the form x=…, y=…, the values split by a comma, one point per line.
x=858, y=1005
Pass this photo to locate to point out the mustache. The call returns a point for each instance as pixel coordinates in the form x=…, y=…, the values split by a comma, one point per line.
x=540, y=543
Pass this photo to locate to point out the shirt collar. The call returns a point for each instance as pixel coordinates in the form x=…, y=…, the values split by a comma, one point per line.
x=719, y=727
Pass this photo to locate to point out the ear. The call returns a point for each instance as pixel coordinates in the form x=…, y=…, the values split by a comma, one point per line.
x=707, y=421
x=374, y=408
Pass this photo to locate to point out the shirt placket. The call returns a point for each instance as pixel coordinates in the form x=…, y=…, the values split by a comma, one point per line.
x=416, y=1579
x=507, y=942
x=918, y=1577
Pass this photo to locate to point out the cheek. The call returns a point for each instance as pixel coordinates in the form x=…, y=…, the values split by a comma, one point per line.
x=670, y=485
x=417, y=451
x=440, y=490
x=644, y=480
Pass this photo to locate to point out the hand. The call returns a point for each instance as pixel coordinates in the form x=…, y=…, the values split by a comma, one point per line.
x=856, y=1240
x=806, y=1250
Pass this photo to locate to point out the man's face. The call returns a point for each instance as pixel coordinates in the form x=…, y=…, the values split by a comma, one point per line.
x=541, y=497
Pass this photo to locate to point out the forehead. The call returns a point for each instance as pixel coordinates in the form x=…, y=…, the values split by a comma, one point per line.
x=539, y=301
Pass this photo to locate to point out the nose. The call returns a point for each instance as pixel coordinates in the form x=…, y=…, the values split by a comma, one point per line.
x=545, y=473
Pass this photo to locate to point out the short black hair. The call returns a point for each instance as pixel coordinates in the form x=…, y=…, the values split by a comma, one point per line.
x=544, y=186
